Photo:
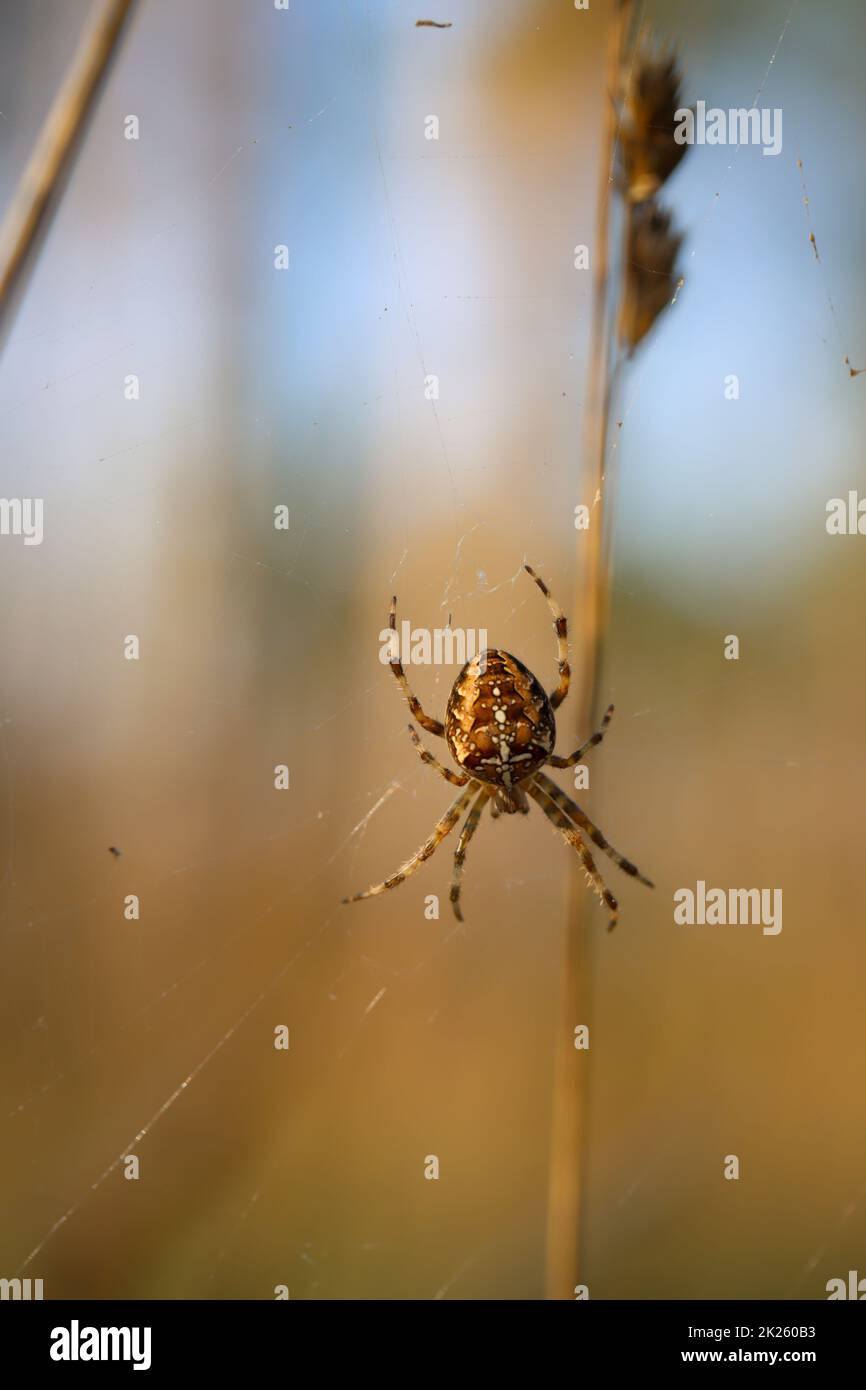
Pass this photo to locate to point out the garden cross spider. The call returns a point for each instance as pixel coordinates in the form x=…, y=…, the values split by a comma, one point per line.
x=500, y=730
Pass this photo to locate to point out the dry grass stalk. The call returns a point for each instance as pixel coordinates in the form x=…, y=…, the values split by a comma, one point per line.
x=639, y=153
x=56, y=141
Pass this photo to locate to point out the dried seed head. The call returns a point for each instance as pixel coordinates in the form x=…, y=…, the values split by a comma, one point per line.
x=652, y=97
x=650, y=275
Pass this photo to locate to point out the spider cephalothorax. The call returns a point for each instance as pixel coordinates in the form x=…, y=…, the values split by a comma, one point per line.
x=499, y=724
x=500, y=730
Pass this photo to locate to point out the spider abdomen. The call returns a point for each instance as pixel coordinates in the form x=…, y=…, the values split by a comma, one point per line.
x=499, y=722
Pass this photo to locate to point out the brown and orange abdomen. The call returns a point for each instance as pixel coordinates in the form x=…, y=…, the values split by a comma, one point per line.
x=499, y=723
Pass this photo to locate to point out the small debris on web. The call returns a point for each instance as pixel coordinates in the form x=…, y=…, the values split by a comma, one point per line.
x=807, y=208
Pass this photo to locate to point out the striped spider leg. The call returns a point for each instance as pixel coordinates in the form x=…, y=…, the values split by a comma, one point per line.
x=470, y=825
x=592, y=742
x=571, y=837
x=456, y=779
x=560, y=624
x=443, y=826
x=573, y=811
x=426, y=721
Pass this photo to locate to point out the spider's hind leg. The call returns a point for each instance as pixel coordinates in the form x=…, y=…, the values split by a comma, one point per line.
x=426, y=721
x=457, y=779
x=560, y=624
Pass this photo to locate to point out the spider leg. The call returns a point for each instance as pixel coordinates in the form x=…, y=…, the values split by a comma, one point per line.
x=458, y=780
x=431, y=725
x=495, y=812
x=571, y=837
x=561, y=626
x=571, y=808
x=591, y=742
x=470, y=825
x=448, y=821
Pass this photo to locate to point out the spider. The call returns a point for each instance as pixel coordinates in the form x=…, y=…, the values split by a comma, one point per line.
x=500, y=730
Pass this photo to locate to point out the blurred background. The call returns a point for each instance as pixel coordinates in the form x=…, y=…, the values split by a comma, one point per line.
x=305, y=387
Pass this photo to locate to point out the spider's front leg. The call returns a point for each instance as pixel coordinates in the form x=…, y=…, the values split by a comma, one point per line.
x=432, y=726
x=580, y=818
x=572, y=837
x=591, y=742
x=448, y=821
x=470, y=825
